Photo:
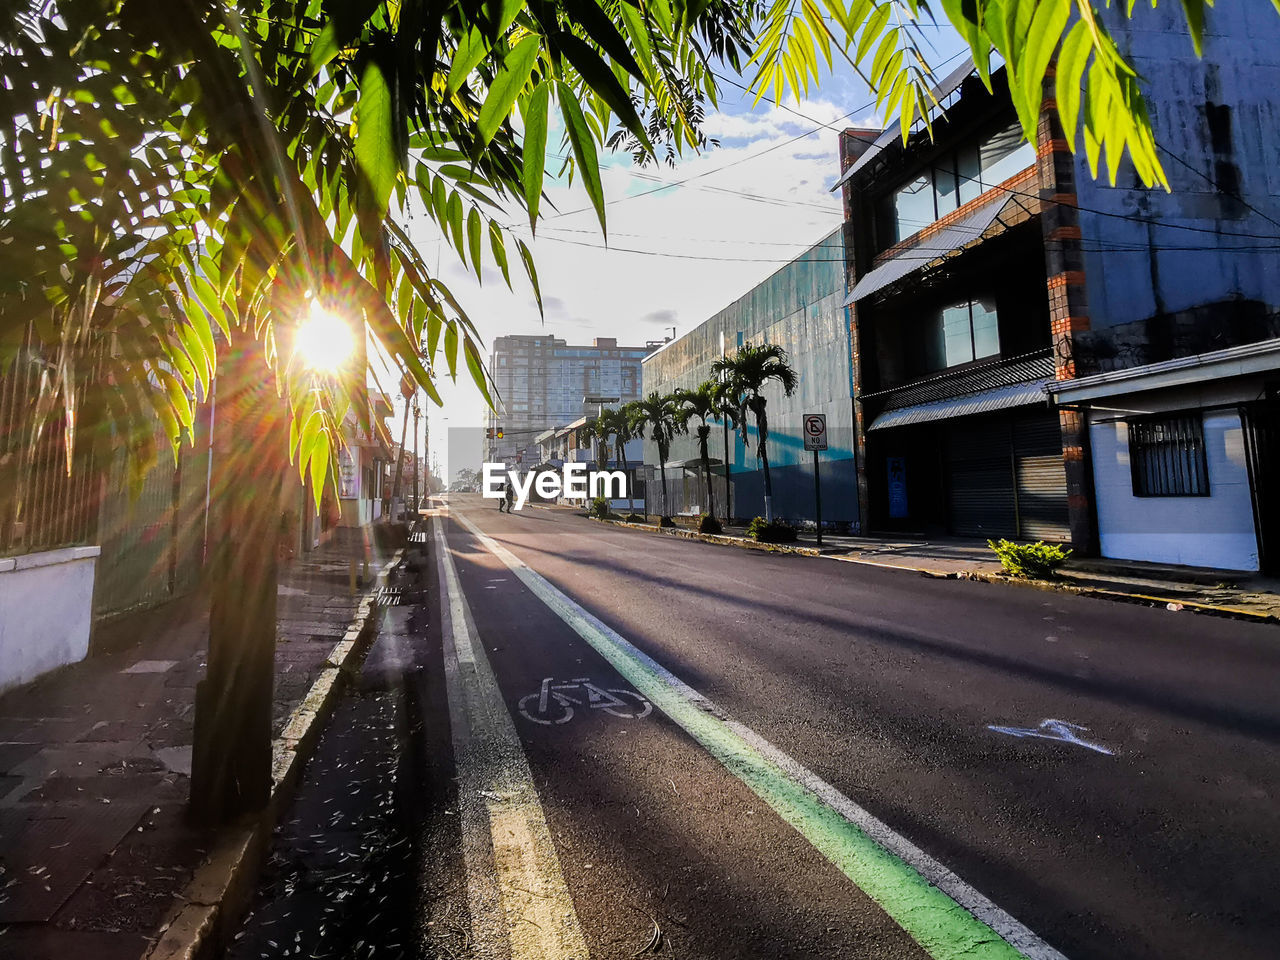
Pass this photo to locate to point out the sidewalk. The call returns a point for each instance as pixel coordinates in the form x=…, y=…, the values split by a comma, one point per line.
x=94, y=767
x=1233, y=593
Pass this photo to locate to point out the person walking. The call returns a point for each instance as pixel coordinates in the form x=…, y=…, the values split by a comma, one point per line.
x=505, y=499
x=509, y=495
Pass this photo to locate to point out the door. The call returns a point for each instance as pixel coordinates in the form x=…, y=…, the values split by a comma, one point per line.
x=1041, y=478
x=1262, y=450
x=980, y=490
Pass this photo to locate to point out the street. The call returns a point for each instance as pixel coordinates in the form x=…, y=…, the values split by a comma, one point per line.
x=633, y=744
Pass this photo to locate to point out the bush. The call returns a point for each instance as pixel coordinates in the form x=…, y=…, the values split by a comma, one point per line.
x=666, y=522
x=1030, y=561
x=599, y=509
x=637, y=518
x=776, y=532
x=708, y=524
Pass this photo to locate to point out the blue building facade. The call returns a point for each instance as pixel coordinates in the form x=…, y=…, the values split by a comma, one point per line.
x=800, y=308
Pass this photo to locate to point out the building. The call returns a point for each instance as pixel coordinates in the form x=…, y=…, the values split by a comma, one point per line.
x=949, y=323
x=576, y=443
x=799, y=308
x=1172, y=319
x=541, y=383
x=361, y=464
x=988, y=275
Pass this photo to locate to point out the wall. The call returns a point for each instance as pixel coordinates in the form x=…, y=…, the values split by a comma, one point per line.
x=46, y=608
x=1212, y=531
x=799, y=308
x=1217, y=117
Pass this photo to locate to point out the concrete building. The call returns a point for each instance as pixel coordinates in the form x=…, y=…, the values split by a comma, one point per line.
x=1171, y=312
x=987, y=274
x=541, y=382
x=949, y=323
x=798, y=308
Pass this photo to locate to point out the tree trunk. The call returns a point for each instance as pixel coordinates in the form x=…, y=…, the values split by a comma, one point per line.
x=631, y=492
x=762, y=427
x=728, y=494
x=662, y=466
x=231, y=756
x=704, y=432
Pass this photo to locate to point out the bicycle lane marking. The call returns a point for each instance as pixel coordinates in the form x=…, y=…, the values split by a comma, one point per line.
x=946, y=916
x=516, y=893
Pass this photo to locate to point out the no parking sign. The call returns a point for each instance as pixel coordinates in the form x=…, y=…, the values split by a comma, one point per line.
x=815, y=431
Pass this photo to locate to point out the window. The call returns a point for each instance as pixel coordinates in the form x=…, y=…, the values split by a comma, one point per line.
x=966, y=332
x=953, y=180
x=1166, y=457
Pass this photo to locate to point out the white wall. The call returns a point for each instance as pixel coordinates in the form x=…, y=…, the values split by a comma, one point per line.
x=46, y=609
x=1212, y=531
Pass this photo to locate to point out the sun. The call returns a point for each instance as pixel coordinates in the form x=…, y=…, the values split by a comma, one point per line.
x=324, y=340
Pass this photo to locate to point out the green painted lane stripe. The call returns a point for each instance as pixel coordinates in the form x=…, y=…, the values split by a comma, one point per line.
x=935, y=920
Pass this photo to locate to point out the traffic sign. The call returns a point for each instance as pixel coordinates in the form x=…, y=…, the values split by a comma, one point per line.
x=815, y=431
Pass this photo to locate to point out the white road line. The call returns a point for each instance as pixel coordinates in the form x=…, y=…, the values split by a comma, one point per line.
x=671, y=694
x=520, y=906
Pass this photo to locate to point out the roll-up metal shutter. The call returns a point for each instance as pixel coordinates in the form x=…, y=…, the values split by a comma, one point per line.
x=980, y=479
x=1041, y=478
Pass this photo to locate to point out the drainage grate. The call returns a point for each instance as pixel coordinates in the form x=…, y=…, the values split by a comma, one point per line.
x=391, y=596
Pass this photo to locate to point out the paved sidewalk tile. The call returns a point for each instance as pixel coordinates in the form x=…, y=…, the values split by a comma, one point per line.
x=94, y=767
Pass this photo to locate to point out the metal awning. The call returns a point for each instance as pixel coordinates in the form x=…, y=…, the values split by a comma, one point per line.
x=1001, y=398
x=934, y=248
x=1250, y=358
x=693, y=463
x=940, y=92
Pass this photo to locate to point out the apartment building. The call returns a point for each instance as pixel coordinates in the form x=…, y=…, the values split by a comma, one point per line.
x=543, y=382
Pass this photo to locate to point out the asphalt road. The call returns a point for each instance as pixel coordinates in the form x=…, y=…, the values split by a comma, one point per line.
x=1150, y=829
x=585, y=741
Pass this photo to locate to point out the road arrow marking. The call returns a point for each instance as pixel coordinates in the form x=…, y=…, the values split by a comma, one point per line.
x=946, y=916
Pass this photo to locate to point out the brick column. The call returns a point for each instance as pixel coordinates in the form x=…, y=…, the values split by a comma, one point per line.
x=1068, y=307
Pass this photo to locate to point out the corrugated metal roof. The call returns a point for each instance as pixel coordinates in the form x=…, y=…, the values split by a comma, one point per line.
x=1002, y=398
x=941, y=91
x=935, y=247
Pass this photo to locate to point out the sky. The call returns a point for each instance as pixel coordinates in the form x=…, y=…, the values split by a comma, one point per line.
x=728, y=217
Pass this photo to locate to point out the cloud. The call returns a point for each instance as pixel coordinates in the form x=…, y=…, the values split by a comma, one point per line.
x=682, y=243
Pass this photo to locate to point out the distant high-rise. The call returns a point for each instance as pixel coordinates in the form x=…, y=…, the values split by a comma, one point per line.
x=542, y=381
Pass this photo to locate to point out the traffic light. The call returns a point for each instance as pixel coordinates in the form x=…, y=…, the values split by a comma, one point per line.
x=499, y=433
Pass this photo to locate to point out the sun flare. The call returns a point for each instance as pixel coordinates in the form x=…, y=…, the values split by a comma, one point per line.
x=324, y=340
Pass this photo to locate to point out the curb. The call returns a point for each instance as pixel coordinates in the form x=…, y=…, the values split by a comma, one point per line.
x=686, y=534
x=1206, y=609
x=213, y=901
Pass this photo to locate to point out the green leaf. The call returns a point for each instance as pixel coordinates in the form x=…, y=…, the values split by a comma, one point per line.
x=375, y=148
x=471, y=50
x=531, y=270
x=604, y=84
x=512, y=75
x=535, y=149
x=476, y=367
x=1072, y=59
x=475, y=235
x=584, y=149
x=499, y=250
x=451, y=350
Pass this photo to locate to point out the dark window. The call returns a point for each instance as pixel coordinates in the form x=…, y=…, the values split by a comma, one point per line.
x=1166, y=456
x=963, y=333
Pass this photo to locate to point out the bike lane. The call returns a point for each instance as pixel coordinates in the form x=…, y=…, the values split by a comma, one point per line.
x=684, y=822
x=659, y=848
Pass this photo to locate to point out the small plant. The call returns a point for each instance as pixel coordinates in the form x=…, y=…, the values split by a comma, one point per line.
x=599, y=509
x=776, y=532
x=709, y=524
x=637, y=518
x=666, y=522
x=1030, y=561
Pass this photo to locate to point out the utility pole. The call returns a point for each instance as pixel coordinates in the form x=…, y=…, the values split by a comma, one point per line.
x=231, y=755
x=395, y=486
x=416, y=502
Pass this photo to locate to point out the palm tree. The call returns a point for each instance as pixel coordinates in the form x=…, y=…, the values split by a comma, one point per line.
x=730, y=415
x=701, y=402
x=661, y=417
x=624, y=432
x=748, y=372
